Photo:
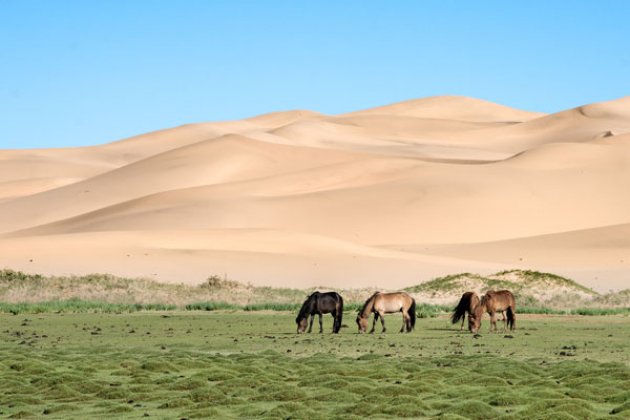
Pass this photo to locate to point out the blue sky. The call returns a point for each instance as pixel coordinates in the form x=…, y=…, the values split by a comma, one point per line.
x=82, y=72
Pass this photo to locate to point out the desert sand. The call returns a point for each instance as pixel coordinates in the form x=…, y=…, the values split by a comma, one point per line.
x=385, y=197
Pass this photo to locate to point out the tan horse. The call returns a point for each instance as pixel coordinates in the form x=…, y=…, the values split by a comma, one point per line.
x=466, y=305
x=493, y=302
x=388, y=303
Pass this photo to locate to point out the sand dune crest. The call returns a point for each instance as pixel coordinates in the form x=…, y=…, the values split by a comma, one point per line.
x=388, y=196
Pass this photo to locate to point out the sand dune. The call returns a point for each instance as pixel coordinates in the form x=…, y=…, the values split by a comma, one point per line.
x=452, y=108
x=388, y=196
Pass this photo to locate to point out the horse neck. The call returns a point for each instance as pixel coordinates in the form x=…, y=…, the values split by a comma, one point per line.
x=481, y=306
x=306, y=308
x=473, y=302
x=369, y=305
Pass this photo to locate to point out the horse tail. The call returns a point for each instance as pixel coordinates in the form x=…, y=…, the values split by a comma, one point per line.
x=511, y=316
x=412, y=315
x=460, y=310
x=339, y=316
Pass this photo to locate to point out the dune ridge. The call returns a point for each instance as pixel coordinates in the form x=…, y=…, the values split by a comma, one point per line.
x=383, y=197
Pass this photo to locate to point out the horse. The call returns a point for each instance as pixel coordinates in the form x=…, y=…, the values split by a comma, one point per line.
x=388, y=303
x=317, y=304
x=467, y=304
x=493, y=302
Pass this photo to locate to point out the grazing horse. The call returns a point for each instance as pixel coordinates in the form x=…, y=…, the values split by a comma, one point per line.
x=466, y=305
x=317, y=304
x=493, y=302
x=388, y=303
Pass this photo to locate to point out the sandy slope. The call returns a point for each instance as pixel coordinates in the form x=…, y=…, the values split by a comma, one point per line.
x=388, y=197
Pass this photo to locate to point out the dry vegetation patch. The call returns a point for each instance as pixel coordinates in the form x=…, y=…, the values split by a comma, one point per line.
x=531, y=288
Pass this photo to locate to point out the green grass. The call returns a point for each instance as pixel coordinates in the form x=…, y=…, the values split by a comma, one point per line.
x=80, y=306
x=77, y=305
x=423, y=310
x=577, y=311
x=600, y=311
x=237, y=364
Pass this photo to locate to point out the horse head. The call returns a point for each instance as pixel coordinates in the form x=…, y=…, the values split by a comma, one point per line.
x=302, y=318
x=474, y=319
x=301, y=322
x=362, y=323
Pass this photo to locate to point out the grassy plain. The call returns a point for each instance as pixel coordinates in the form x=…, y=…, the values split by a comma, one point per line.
x=235, y=364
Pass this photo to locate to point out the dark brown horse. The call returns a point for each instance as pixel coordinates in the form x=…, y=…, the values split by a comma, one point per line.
x=388, y=303
x=493, y=302
x=466, y=305
x=317, y=304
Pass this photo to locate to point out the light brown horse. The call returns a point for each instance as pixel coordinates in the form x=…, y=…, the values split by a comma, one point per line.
x=466, y=305
x=388, y=303
x=493, y=302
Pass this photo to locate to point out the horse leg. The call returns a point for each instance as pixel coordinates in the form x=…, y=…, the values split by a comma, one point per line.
x=463, y=319
x=321, y=324
x=310, y=325
x=493, y=321
x=513, y=309
x=504, y=322
x=374, y=323
x=334, y=315
x=405, y=321
x=383, y=323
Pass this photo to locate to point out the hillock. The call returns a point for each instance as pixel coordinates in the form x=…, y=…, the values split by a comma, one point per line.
x=531, y=288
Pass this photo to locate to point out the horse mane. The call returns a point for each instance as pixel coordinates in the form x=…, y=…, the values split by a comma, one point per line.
x=305, y=306
x=483, y=301
x=369, y=304
x=481, y=306
x=464, y=305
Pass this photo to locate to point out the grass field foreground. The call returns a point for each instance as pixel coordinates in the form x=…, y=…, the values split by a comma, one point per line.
x=232, y=364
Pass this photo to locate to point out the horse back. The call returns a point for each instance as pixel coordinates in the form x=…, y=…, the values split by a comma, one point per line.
x=327, y=302
x=500, y=300
x=391, y=302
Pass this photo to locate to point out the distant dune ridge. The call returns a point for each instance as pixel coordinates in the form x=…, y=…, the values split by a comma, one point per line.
x=384, y=197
